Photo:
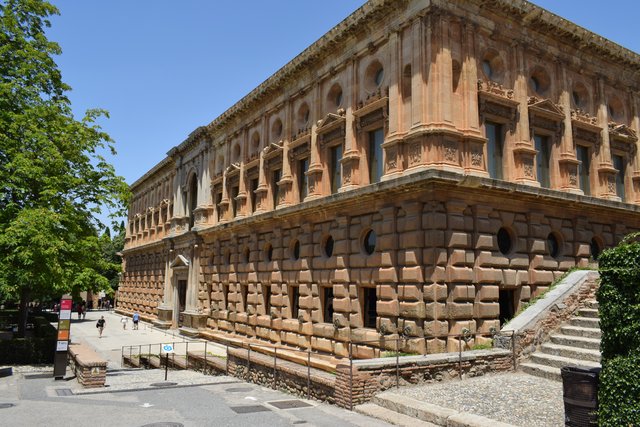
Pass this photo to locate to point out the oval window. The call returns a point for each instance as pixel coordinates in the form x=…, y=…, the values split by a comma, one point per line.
x=504, y=241
x=553, y=246
x=369, y=242
x=296, y=250
x=595, y=249
x=328, y=247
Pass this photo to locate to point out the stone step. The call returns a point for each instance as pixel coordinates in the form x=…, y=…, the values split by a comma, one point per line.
x=392, y=417
x=591, y=313
x=592, y=304
x=573, y=341
x=571, y=352
x=554, y=361
x=578, y=331
x=543, y=371
x=585, y=322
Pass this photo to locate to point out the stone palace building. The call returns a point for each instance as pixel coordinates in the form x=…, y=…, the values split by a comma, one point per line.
x=422, y=170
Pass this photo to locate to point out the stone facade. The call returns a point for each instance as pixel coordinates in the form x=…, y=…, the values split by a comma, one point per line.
x=421, y=170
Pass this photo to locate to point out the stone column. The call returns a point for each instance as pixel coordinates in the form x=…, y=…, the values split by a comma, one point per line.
x=568, y=162
x=634, y=100
x=165, y=310
x=523, y=150
x=315, y=172
x=606, y=172
x=352, y=168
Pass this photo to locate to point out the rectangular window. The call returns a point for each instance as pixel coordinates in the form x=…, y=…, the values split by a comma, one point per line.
x=376, y=139
x=618, y=163
x=218, y=209
x=303, y=167
x=370, y=311
x=327, y=304
x=294, y=296
x=234, y=202
x=225, y=295
x=275, y=190
x=254, y=187
x=542, y=160
x=266, y=298
x=335, y=171
x=583, y=169
x=494, y=149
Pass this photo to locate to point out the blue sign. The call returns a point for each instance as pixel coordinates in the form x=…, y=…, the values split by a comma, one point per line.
x=167, y=348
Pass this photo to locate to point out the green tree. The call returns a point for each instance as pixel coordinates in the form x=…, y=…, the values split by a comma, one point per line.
x=53, y=178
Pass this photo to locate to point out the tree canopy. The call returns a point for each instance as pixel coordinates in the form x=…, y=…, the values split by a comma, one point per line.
x=53, y=176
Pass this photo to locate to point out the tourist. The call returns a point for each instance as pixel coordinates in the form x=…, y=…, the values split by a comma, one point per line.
x=124, y=321
x=136, y=319
x=100, y=326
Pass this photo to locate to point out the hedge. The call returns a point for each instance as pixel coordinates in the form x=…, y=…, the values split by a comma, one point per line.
x=619, y=301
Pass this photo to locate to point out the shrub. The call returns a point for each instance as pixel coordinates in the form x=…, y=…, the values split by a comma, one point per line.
x=619, y=301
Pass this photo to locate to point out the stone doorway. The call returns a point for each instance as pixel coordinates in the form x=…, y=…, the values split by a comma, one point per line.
x=182, y=300
x=507, y=305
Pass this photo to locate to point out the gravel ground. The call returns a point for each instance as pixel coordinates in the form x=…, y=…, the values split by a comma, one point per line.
x=514, y=398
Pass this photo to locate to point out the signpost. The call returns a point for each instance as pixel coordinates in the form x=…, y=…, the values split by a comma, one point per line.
x=62, y=343
x=167, y=348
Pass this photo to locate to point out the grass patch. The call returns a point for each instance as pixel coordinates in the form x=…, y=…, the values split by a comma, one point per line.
x=485, y=346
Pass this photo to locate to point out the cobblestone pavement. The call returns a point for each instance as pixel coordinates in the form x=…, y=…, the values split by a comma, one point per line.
x=514, y=398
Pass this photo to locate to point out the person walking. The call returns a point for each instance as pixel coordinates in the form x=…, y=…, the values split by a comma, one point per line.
x=100, y=326
x=136, y=319
x=124, y=321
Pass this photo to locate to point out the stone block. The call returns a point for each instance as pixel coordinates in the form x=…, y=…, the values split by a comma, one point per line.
x=435, y=310
x=388, y=308
x=412, y=328
x=342, y=305
x=434, y=238
x=509, y=277
x=457, y=239
x=435, y=274
x=412, y=309
x=540, y=277
x=487, y=275
x=435, y=328
x=387, y=291
x=486, y=310
x=435, y=220
x=525, y=293
x=435, y=345
x=388, y=325
x=435, y=292
x=322, y=344
x=461, y=257
x=263, y=321
x=415, y=346
x=488, y=292
x=461, y=292
x=323, y=329
x=410, y=292
x=460, y=274
x=456, y=310
x=411, y=274
x=306, y=303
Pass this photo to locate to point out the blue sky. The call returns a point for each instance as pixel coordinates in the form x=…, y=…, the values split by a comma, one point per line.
x=162, y=68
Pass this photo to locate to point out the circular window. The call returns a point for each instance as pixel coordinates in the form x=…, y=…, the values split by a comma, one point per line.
x=303, y=114
x=505, y=241
x=595, y=249
x=369, y=242
x=295, y=250
x=553, y=245
x=540, y=81
x=276, y=129
x=379, y=77
x=486, y=68
x=328, y=247
x=268, y=253
x=246, y=255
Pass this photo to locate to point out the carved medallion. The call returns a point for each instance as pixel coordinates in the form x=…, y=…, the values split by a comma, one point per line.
x=415, y=153
x=451, y=152
x=476, y=158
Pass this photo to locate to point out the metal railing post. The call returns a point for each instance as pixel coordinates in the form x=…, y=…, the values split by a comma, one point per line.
x=186, y=356
x=122, y=356
x=309, y=374
x=226, y=368
x=351, y=376
x=205, y=357
x=398, y=363
x=513, y=349
x=248, y=362
x=460, y=357
x=275, y=368
x=173, y=355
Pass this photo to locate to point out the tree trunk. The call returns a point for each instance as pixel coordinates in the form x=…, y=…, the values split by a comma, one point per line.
x=23, y=311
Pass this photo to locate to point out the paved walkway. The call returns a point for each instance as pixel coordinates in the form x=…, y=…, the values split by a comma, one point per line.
x=514, y=398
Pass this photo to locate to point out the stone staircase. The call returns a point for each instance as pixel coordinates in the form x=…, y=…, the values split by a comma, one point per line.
x=577, y=343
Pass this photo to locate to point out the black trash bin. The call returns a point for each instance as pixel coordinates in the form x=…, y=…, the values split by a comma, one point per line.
x=580, y=392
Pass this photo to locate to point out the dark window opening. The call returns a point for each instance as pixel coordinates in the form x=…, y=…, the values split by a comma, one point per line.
x=553, y=246
x=370, y=311
x=193, y=200
x=243, y=293
x=504, y=241
x=218, y=209
x=294, y=296
x=595, y=249
x=327, y=301
x=583, y=169
x=225, y=295
x=507, y=305
x=369, y=242
x=253, y=195
x=376, y=139
x=268, y=253
x=234, y=202
x=266, y=298
x=494, y=149
x=618, y=163
x=542, y=160
x=335, y=170
x=182, y=294
x=328, y=247
x=247, y=255
x=275, y=189
x=296, y=250
x=303, y=167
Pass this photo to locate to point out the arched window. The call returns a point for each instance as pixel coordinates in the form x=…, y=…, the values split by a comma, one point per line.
x=193, y=199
